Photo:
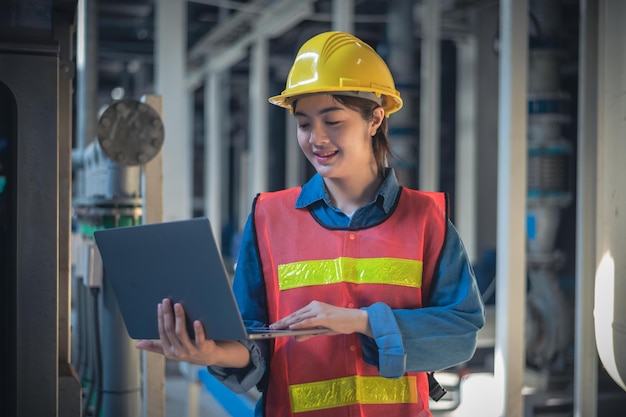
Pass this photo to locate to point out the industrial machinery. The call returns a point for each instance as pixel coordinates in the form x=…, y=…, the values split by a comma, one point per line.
x=550, y=326
x=130, y=133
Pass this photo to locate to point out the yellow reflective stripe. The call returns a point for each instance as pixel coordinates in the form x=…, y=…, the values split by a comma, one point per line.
x=393, y=271
x=353, y=390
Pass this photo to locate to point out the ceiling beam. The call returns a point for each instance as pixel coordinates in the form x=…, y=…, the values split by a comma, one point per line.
x=277, y=18
x=222, y=34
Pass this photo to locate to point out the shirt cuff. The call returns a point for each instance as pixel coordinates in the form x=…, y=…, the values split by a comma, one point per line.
x=388, y=339
x=241, y=380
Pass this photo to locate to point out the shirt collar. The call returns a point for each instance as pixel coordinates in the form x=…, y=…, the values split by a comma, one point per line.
x=314, y=191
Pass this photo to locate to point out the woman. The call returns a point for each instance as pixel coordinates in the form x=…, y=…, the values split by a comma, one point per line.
x=378, y=264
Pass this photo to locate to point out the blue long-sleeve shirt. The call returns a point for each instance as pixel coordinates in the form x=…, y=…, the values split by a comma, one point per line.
x=438, y=336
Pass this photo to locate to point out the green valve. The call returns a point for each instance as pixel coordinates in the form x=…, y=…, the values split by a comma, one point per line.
x=88, y=229
x=110, y=222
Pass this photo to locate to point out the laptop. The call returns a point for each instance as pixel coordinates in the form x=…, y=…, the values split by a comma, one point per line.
x=179, y=260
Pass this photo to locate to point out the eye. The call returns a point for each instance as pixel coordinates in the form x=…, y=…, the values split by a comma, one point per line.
x=332, y=122
x=303, y=125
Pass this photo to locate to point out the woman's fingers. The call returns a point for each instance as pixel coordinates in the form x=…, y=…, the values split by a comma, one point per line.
x=300, y=316
x=181, y=326
x=318, y=314
x=198, y=328
x=150, y=346
x=176, y=342
x=162, y=333
x=174, y=347
x=283, y=323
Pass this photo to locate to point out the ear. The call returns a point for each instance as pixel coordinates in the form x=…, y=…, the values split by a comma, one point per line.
x=378, y=115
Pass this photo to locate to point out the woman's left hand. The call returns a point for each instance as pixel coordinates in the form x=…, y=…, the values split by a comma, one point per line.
x=175, y=342
x=339, y=320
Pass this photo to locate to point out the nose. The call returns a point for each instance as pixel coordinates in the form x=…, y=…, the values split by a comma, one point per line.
x=317, y=135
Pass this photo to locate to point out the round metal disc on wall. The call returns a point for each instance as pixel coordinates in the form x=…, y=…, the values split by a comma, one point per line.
x=130, y=132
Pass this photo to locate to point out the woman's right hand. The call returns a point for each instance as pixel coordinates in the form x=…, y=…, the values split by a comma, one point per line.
x=176, y=344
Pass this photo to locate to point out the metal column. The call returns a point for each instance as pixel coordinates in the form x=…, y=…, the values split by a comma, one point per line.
x=430, y=96
x=586, y=355
x=86, y=79
x=258, y=133
x=509, y=362
x=467, y=145
x=343, y=15
x=87, y=74
x=214, y=155
x=171, y=55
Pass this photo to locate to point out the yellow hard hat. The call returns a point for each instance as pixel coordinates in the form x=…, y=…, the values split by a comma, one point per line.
x=335, y=62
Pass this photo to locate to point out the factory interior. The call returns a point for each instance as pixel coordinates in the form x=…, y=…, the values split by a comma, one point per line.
x=515, y=108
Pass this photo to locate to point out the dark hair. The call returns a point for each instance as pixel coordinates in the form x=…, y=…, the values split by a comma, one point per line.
x=380, y=142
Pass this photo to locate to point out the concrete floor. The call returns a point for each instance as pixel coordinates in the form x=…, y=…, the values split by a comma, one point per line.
x=185, y=399
x=187, y=396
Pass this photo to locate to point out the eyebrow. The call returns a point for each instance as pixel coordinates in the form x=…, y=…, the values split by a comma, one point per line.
x=323, y=111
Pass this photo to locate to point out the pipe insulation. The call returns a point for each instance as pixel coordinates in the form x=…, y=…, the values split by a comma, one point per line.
x=610, y=277
x=609, y=317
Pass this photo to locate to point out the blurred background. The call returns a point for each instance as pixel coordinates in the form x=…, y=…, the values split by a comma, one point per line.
x=124, y=112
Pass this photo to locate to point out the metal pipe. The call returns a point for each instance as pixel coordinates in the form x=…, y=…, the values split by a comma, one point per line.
x=169, y=80
x=430, y=96
x=343, y=15
x=121, y=379
x=213, y=155
x=467, y=145
x=259, y=118
x=87, y=72
x=509, y=362
x=585, y=352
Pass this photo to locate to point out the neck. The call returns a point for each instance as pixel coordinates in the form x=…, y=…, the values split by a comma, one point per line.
x=348, y=194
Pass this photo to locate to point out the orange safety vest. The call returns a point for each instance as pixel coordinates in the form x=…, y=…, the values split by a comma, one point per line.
x=392, y=262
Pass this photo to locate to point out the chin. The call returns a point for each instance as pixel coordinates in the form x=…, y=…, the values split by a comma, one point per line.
x=328, y=174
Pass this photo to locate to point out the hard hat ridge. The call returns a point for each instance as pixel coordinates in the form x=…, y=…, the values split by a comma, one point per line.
x=336, y=62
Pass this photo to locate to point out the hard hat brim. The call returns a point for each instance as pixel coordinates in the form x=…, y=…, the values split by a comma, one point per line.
x=391, y=104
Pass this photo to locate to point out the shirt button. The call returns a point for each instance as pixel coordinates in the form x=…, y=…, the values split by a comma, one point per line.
x=352, y=236
x=351, y=305
x=352, y=348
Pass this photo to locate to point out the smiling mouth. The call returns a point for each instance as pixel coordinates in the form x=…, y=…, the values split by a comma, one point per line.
x=326, y=155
